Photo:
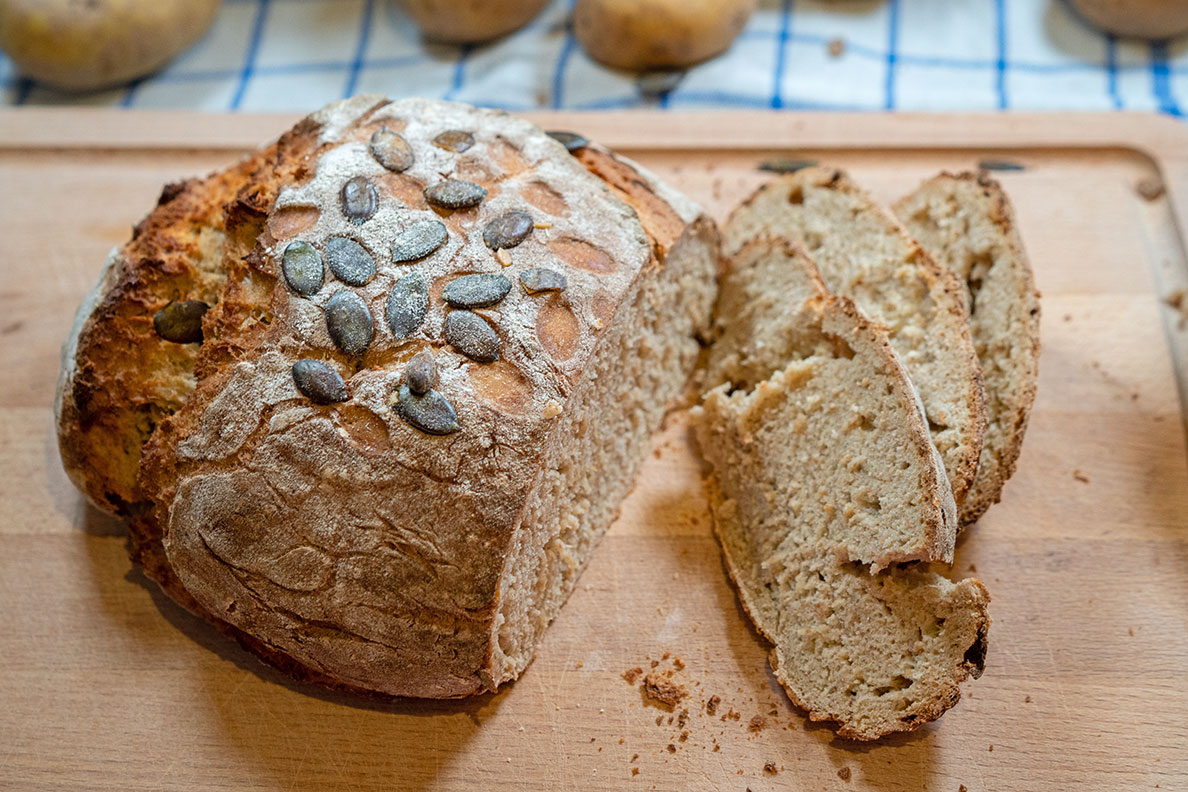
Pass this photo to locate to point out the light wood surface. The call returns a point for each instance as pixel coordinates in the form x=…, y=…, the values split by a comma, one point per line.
x=105, y=684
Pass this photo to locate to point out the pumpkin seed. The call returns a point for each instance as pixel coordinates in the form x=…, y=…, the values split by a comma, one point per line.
x=421, y=373
x=181, y=322
x=432, y=413
x=407, y=305
x=455, y=194
x=473, y=337
x=476, y=291
x=454, y=140
x=302, y=267
x=572, y=141
x=418, y=241
x=349, y=322
x=359, y=200
x=391, y=150
x=1000, y=165
x=508, y=230
x=785, y=165
x=349, y=261
x=540, y=279
x=319, y=382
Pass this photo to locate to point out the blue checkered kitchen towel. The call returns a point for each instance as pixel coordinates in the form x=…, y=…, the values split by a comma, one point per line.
x=295, y=55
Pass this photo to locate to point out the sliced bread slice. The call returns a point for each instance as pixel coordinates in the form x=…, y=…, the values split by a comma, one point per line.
x=965, y=221
x=865, y=254
x=836, y=437
x=818, y=472
x=875, y=654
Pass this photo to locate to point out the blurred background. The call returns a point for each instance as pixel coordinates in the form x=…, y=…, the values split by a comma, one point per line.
x=295, y=55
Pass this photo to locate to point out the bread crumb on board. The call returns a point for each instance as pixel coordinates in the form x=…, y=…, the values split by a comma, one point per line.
x=844, y=774
x=1179, y=301
x=1080, y=476
x=632, y=674
x=770, y=768
x=659, y=687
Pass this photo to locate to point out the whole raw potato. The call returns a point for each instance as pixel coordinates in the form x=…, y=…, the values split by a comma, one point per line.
x=464, y=21
x=85, y=44
x=1152, y=19
x=658, y=34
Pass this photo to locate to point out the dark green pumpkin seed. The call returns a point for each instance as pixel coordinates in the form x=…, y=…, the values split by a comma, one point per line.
x=541, y=279
x=319, y=382
x=181, y=322
x=472, y=336
x=1000, y=165
x=418, y=241
x=785, y=165
x=302, y=267
x=455, y=194
x=454, y=140
x=508, y=230
x=349, y=261
x=432, y=413
x=391, y=150
x=407, y=305
x=349, y=322
x=480, y=290
x=421, y=373
x=359, y=200
x=571, y=140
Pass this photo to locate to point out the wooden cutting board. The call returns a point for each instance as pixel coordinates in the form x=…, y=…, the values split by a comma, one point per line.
x=105, y=684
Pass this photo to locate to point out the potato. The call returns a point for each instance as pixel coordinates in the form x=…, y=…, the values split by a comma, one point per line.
x=658, y=34
x=1152, y=19
x=466, y=21
x=87, y=44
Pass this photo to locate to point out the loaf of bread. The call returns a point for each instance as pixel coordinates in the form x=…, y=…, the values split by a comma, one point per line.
x=967, y=224
x=370, y=397
x=824, y=487
x=865, y=254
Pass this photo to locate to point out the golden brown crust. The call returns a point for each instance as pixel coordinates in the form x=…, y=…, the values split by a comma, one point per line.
x=109, y=411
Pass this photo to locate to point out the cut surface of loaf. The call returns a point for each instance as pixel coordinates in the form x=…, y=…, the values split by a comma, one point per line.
x=407, y=510
x=864, y=253
x=819, y=472
x=837, y=435
x=966, y=222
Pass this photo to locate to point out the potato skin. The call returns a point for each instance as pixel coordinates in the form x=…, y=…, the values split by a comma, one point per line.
x=469, y=21
x=1152, y=19
x=86, y=45
x=658, y=34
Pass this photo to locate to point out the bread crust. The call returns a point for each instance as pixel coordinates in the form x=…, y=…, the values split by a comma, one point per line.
x=1009, y=412
x=944, y=290
x=282, y=522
